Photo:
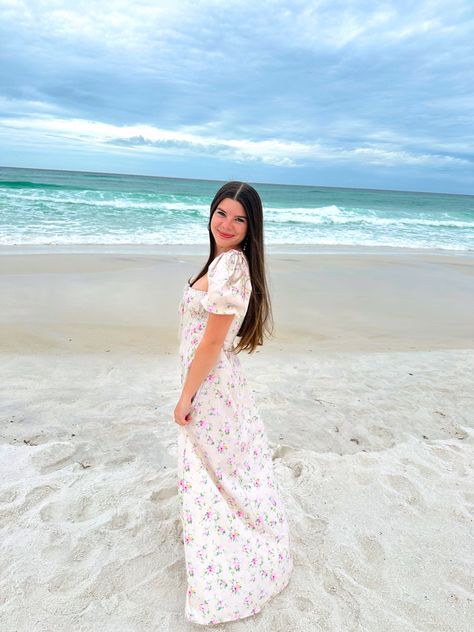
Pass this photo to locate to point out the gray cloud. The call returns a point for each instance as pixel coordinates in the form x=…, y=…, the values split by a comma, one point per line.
x=386, y=84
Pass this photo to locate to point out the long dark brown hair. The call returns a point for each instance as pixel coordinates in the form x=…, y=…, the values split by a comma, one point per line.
x=258, y=321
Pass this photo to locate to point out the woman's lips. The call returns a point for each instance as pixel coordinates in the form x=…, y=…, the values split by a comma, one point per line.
x=224, y=235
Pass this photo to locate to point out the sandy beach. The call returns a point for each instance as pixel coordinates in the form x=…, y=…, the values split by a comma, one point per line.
x=367, y=394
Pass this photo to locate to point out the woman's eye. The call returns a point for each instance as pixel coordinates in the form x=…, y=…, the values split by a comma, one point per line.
x=239, y=219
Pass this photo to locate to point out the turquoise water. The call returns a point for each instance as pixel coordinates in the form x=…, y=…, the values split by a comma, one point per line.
x=58, y=207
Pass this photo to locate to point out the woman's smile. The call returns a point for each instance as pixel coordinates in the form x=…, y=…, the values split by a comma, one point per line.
x=225, y=235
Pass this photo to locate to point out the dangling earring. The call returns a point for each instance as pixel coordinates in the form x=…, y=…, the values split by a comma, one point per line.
x=245, y=244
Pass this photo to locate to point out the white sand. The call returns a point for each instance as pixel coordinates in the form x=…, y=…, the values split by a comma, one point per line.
x=373, y=451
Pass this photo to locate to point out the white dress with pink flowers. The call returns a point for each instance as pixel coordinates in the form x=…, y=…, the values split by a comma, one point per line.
x=235, y=529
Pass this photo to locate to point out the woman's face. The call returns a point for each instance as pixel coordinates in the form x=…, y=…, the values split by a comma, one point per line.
x=229, y=224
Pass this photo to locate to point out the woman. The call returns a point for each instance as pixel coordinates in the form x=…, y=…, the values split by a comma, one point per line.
x=235, y=529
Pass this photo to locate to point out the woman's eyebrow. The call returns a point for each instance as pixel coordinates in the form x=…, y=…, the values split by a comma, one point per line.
x=221, y=209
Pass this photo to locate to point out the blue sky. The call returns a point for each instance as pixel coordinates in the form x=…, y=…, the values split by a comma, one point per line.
x=363, y=93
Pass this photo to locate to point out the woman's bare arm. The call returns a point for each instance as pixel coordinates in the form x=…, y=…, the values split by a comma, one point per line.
x=204, y=359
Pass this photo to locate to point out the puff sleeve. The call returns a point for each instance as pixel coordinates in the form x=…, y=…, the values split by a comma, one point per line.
x=228, y=284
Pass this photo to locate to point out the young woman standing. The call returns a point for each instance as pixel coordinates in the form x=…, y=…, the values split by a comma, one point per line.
x=235, y=529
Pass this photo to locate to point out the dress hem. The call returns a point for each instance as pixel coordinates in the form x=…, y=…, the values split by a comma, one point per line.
x=244, y=616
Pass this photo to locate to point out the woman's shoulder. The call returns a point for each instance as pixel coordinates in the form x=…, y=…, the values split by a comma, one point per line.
x=232, y=258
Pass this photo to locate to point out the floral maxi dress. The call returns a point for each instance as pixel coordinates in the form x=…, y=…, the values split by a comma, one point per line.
x=235, y=529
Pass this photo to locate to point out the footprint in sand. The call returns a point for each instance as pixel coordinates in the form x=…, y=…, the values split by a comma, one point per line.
x=281, y=451
x=53, y=457
x=426, y=471
x=348, y=608
x=303, y=604
x=164, y=493
x=409, y=493
x=364, y=478
x=67, y=580
x=447, y=453
x=32, y=498
x=118, y=521
x=354, y=561
x=8, y=495
x=297, y=468
x=372, y=549
x=37, y=439
x=124, y=575
x=84, y=508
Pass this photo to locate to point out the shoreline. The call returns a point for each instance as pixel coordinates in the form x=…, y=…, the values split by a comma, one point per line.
x=203, y=249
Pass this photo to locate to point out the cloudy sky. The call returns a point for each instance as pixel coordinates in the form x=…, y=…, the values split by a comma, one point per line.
x=339, y=93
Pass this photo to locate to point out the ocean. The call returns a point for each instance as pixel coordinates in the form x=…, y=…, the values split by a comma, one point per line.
x=39, y=207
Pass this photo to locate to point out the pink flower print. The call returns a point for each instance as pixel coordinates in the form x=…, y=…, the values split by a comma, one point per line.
x=228, y=402
x=253, y=561
x=235, y=586
x=273, y=576
x=236, y=564
x=214, y=411
x=222, y=446
x=208, y=515
x=203, y=423
x=234, y=534
x=259, y=520
x=227, y=429
x=220, y=530
x=204, y=607
x=189, y=517
x=257, y=482
x=188, y=538
x=210, y=569
x=183, y=485
x=200, y=554
x=212, y=377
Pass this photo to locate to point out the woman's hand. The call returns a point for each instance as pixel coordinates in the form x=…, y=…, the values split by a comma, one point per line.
x=182, y=411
